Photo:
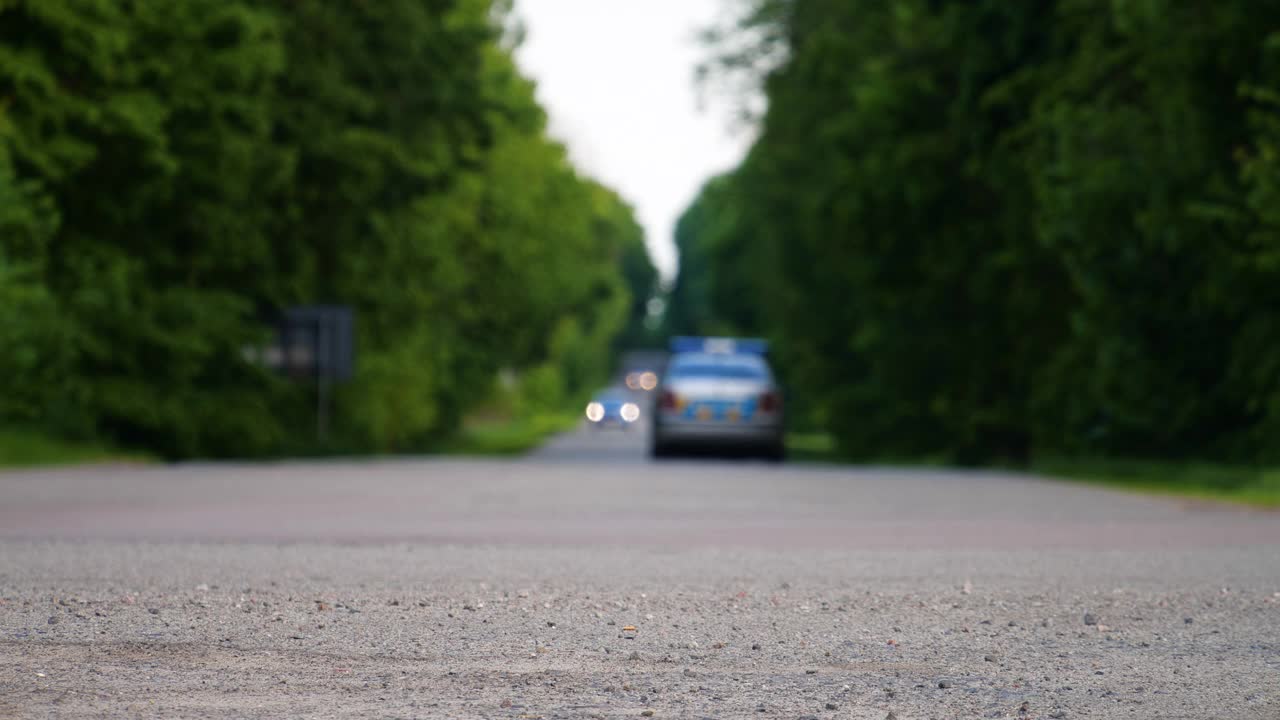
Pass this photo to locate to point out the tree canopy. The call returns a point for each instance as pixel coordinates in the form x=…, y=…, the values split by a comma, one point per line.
x=986, y=229
x=173, y=174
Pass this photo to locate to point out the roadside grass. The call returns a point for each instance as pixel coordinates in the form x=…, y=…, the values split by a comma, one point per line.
x=498, y=436
x=820, y=447
x=811, y=447
x=1256, y=486
x=508, y=436
x=23, y=448
x=1246, y=485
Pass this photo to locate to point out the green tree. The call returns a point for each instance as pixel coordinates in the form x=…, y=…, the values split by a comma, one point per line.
x=985, y=229
x=172, y=175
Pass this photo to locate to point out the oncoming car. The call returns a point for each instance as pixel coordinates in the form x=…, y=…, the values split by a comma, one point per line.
x=612, y=408
x=640, y=369
x=718, y=393
x=642, y=380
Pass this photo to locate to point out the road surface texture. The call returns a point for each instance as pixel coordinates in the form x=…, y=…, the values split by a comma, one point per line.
x=587, y=582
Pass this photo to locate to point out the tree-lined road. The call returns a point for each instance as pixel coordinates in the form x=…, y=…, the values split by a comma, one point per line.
x=501, y=588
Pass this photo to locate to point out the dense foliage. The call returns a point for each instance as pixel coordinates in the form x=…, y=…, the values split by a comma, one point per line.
x=174, y=173
x=986, y=229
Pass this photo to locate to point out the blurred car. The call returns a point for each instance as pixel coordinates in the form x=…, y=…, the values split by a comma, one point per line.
x=646, y=380
x=612, y=408
x=718, y=393
x=642, y=368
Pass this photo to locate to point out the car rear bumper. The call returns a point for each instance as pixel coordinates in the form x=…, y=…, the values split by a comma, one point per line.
x=702, y=434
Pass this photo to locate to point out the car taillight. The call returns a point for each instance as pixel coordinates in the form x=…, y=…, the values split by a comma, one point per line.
x=770, y=402
x=668, y=400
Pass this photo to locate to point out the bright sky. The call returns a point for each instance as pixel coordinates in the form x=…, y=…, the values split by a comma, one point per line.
x=616, y=77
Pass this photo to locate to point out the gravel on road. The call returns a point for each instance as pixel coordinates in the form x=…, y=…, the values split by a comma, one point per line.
x=404, y=631
x=586, y=583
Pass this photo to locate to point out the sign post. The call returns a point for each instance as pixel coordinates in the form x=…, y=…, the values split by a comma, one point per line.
x=315, y=341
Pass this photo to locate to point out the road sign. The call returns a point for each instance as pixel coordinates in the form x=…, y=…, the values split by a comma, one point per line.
x=313, y=341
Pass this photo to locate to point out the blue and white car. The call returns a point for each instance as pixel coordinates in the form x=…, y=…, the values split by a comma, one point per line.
x=718, y=393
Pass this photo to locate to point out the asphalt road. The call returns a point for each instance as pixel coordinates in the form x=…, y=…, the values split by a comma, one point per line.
x=585, y=581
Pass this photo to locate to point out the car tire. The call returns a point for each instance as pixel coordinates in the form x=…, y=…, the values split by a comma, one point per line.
x=775, y=453
x=658, y=449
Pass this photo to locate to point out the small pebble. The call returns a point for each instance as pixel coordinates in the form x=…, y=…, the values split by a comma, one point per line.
x=54, y=619
x=1187, y=621
x=944, y=684
x=647, y=713
x=832, y=706
x=755, y=646
x=1090, y=619
x=989, y=658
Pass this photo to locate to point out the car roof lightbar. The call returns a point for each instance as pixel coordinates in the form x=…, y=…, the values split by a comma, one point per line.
x=719, y=345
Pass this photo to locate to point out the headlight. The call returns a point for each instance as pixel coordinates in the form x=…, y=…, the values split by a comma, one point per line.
x=595, y=412
x=630, y=412
x=648, y=381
